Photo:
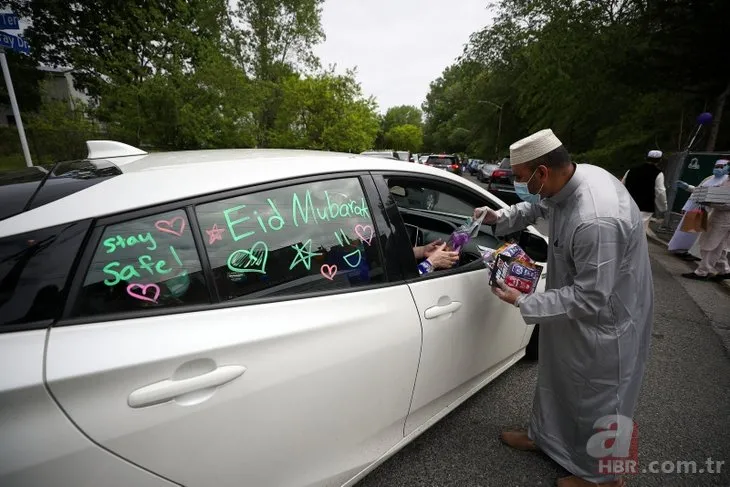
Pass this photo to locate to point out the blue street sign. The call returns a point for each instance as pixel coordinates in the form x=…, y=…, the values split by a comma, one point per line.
x=15, y=43
x=9, y=22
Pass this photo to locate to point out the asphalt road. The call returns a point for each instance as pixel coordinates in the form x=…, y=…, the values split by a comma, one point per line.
x=683, y=414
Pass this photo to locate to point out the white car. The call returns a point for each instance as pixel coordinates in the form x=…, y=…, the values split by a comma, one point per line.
x=235, y=317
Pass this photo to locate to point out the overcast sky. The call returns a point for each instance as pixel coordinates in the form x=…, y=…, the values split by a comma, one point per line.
x=398, y=46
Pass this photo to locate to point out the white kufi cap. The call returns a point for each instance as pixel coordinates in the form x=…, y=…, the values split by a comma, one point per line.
x=655, y=154
x=532, y=147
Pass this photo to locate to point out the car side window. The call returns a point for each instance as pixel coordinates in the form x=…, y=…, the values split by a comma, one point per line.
x=421, y=197
x=34, y=273
x=142, y=264
x=452, y=207
x=292, y=240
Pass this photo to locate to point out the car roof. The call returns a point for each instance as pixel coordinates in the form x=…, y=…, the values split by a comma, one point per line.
x=157, y=178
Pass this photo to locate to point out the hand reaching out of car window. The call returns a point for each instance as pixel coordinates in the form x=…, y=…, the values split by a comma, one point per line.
x=441, y=258
x=490, y=218
x=431, y=248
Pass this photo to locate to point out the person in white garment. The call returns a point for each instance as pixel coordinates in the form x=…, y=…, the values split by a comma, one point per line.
x=715, y=241
x=645, y=184
x=595, y=314
x=685, y=244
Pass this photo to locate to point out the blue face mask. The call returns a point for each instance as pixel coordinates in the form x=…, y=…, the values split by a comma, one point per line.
x=523, y=191
x=719, y=171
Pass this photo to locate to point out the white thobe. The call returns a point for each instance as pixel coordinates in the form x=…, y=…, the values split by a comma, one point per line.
x=715, y=241
x=595, y=316
x=681, y=241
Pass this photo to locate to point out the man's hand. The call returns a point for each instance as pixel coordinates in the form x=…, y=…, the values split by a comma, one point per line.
x=490, y=218
x=441, y=258
x=431, y=248
x=682, y=185
x=506, y=293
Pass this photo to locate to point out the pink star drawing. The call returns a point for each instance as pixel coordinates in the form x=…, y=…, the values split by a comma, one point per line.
x=215, y=233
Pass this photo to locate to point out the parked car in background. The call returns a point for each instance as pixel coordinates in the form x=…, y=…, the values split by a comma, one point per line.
x=192, y=318
x=447, y=162
x=383, y=154
x=395, y=154
x=484, y=174
x=501, y=183
x=422, y=158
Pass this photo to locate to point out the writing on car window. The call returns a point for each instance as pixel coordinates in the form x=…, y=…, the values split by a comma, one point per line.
x=296, y=239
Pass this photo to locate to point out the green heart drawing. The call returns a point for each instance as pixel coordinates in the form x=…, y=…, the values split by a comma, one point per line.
x=251, y=260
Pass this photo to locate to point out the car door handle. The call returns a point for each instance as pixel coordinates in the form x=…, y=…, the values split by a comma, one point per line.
x=435, y=311
x=169, y=389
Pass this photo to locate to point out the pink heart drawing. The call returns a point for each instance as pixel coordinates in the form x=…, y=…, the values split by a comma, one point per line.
x=168, y=226
x=328, y=271
x=365, y=232
x=142, y=294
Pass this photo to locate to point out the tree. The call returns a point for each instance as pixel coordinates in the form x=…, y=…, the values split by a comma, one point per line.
x=401, y=115
x=122, y=43
x=270, y=34
x=326, y=112
x=600, y=73
x=405, y=137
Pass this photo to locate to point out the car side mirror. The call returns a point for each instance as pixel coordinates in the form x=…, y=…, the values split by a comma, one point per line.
x=535, y=246
x=398, y=191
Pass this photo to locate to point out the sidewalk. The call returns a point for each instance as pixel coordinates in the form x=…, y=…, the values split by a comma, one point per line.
x=661, y=235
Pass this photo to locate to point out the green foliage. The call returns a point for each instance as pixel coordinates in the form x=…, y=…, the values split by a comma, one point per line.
x=401, y=115
x=325, y=112
x=607, y=77
x=175, y=74
x=405, y=137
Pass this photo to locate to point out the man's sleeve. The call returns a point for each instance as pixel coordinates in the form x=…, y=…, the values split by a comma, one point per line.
x=598, y=249
x=518, y=217
x=660, y=194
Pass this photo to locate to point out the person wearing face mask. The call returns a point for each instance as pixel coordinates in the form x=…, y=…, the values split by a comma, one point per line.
x=645, y=184
x=595, y=314
x=716, y=240
x=685, y=244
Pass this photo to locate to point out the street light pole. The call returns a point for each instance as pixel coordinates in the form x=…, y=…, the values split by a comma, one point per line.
x=14, y=107
x=499, y=125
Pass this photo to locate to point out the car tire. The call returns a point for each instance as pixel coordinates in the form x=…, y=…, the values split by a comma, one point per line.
x=532, y=345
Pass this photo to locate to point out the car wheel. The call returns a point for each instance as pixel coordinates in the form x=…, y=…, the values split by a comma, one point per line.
x=531, y=348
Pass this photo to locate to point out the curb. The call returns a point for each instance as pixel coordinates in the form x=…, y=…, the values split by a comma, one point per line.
x=653, y=237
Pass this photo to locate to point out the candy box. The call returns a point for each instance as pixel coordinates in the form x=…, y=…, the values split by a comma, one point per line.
x=513, y=266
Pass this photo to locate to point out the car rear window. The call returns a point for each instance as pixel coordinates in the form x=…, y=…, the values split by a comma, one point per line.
x=505, y=164
x=143, y=264
x=34, y=273
x=442, y=160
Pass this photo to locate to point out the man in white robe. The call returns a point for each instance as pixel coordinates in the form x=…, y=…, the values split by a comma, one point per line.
x=595, y=315
x=716, y=240
x=686, y=243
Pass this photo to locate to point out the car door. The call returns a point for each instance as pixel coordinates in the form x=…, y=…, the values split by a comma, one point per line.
x=469, y=335
x=253, y=338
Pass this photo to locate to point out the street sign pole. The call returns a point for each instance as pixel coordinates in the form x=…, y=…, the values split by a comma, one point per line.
x=14, y=106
